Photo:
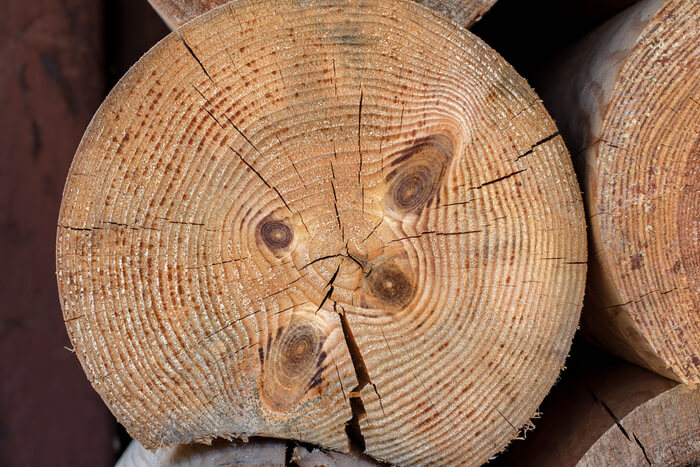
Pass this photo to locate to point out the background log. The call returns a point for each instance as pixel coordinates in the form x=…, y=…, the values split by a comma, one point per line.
x=608, y=412
x=627, y=102
x=51, y=82
x=552, y=26
x=257, y=451
x=295, y=225
x=463, y=12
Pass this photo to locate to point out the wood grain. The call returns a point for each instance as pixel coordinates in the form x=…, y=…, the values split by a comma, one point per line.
x=609, y=412
x=462, y=12
x=257, y=451
x=324, y=222
x=627, y=100
x=663, y=431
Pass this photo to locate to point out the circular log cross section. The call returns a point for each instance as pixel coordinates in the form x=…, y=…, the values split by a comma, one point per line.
x=627, y=99
x=326, y=222
x=463, y=12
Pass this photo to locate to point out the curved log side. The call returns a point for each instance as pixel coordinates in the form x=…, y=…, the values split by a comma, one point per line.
x=663, y=431
x=327, y=222
x=613, y=414
x=627, y=101
x=462, y=12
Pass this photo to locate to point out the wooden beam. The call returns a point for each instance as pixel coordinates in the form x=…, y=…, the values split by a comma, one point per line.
x=608, y=412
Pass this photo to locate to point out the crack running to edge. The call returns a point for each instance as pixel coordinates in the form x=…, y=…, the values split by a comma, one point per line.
x=189, y=49
x=353, y=431
x=619, y=425
x=352, y=427
x=644, y=451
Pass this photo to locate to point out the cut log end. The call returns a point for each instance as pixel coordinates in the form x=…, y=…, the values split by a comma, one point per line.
x=319, y=223
x=624, y=415
x=255, y=452
x=628, y=103
x=662, y=431
x=462, y=12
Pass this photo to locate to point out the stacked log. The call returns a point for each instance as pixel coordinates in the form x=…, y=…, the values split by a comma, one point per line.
x=256, y=451
x=627, y=101
x=352, y=225
x=463, y=12
x=608, y=412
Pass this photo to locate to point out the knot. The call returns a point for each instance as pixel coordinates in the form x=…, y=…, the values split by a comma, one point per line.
x=292, y=365
x=419, y=174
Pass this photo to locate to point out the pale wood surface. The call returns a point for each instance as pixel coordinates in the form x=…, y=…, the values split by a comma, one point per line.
x=257, y=451
x=302, y=221
x=627, y=101
x=221, y=452
x=463, y=12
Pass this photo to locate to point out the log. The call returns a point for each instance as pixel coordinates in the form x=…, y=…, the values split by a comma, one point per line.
x=552, y=26
x=613, y=413
x=335, y=223
x=47, y=49
x=257, y=451
x=627, y=101
x=465, y=13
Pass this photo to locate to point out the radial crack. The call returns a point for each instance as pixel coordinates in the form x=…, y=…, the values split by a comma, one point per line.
x=615, y=419
x=644, y=451
x=189, y=49
x=242, y=134
x=359, y=134
x=262, y=179
x=499, y=179
x=542, y=141
x=352, y=427
x=212, y=116
x=329, y=293
x=504, y=417
x=335, y=205
x=373, y=230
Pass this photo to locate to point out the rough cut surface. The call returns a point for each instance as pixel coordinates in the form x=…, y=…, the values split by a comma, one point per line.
x=320, y=222
x=624, y=416
x=662, y=431
x=463, y=12
x=628, y=102
x=257, y=451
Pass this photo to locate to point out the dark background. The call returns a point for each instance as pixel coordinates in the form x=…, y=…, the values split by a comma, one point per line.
x=58, y=59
